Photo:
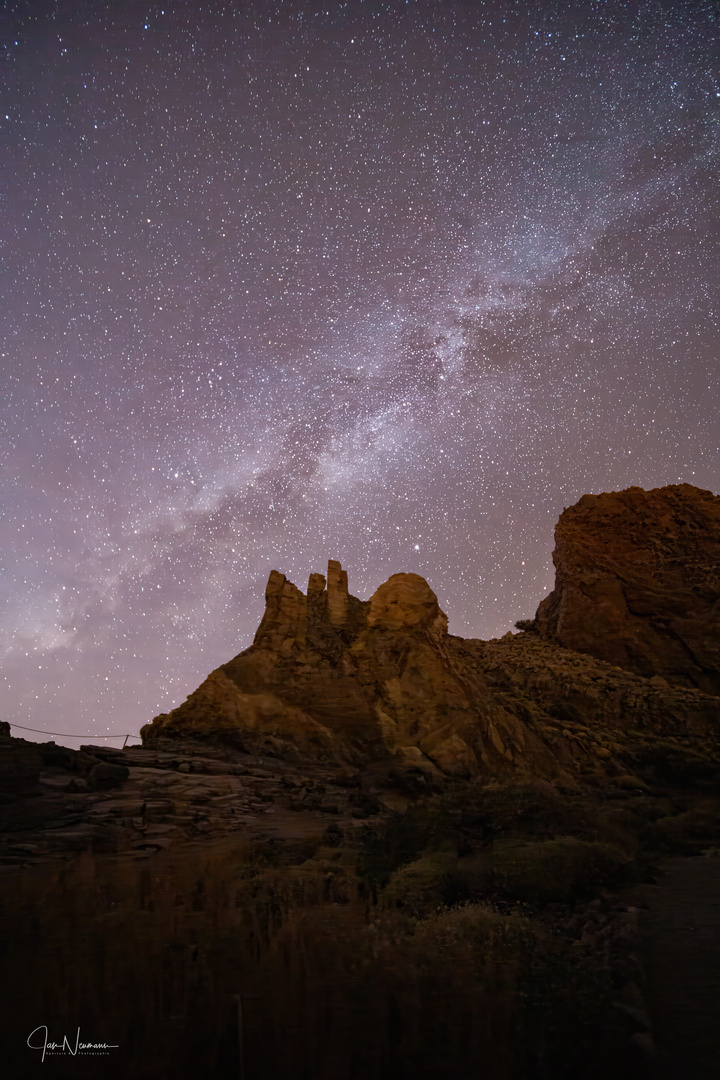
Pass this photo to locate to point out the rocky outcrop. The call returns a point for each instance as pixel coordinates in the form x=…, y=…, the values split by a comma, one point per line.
x=381, y=683
x=26, y=766
x=638, y=583
x=340, y=678
x=406, y=602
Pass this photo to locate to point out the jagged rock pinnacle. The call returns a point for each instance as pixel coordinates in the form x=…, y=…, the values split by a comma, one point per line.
x=337, y=591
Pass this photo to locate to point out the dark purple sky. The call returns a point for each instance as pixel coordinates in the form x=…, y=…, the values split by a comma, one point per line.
x=385, y=282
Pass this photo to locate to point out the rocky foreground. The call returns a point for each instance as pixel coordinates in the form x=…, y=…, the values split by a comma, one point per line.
x=396, y=852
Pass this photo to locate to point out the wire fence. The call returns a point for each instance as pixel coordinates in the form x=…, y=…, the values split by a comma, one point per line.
x=67, y=735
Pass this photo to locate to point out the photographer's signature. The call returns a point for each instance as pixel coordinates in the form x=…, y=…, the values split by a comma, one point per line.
x=39, y=1040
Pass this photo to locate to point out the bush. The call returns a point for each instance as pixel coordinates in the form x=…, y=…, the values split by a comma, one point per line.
x=397, y=841
x=479, y=932
x=532, y=807
x=421, y=886
x=564, y=869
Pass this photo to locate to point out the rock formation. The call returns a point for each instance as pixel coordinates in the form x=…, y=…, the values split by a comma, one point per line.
x=638, y=583
x=382, y=683
x=342, y=706
x=341, y=678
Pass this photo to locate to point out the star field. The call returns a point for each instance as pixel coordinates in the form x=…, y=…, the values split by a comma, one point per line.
x=391, y=283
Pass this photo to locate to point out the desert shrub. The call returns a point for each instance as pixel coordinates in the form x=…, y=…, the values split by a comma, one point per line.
x=422, y=885
x=534, y=807
x=684, y=833
x=396, y=841
x=489, y=939
x=444, y=1000
x=618, y=826
x=560, y=870
x=470, y=880
x=563, y=869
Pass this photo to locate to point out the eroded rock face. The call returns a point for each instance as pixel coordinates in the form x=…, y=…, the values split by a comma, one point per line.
x=638, y=583
x=339, y=677
x=343, y=679
x=336, y=679
x=406, y=602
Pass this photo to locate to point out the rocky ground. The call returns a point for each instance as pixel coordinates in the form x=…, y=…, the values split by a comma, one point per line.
x=328, y=893
x=142, y=801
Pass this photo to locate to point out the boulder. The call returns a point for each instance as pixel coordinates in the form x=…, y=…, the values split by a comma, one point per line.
x=406, y=602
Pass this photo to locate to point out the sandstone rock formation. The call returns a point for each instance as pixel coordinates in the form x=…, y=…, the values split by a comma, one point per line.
x=638, y=583
x=382, y=683
x=341, y=678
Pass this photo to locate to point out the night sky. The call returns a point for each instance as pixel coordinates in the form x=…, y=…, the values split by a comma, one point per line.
x=391, y=283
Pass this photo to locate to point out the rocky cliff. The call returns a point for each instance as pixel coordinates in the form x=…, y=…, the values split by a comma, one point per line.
x=638, y=583
x=330, y=677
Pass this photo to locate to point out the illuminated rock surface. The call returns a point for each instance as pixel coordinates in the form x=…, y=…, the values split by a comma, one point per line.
x=638, y=583
x=334, y=678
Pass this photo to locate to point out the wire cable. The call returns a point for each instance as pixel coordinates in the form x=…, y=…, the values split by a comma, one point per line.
x=65, y=735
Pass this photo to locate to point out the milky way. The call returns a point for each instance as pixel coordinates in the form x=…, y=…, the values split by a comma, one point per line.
x=391, y=283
